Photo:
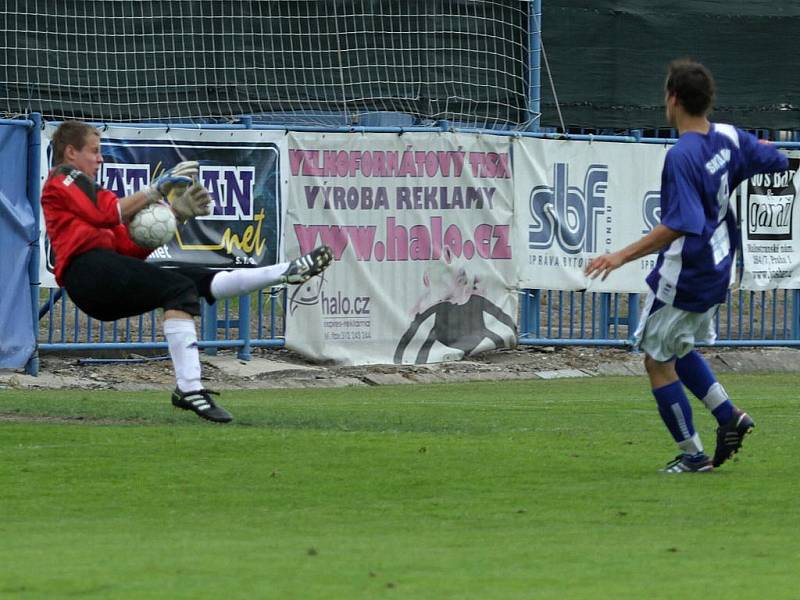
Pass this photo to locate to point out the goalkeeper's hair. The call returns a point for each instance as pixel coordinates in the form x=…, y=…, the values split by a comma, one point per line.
x=71, y=133
x=692, y=84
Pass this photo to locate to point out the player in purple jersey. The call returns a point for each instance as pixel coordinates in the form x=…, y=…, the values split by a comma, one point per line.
x=696, y=244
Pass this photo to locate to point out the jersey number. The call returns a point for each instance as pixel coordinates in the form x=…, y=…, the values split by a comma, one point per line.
x=723, y=197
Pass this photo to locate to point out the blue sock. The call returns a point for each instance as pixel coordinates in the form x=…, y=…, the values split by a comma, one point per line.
x=696, y=375
x=675, y=411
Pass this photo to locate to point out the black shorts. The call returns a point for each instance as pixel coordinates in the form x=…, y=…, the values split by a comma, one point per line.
x=109, y=286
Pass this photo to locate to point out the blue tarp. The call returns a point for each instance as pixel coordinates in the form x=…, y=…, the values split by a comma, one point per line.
x=17, y=236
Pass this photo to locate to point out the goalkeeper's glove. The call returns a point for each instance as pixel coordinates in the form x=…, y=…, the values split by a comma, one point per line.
x=194, y=202
x=181, y=175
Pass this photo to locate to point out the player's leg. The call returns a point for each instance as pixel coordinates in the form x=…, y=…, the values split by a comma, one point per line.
x=696, y=374
x=109, y=286
x=181, y=333
x=228, y=284
x=655, y=336
x=189, y=394
x=676, y=413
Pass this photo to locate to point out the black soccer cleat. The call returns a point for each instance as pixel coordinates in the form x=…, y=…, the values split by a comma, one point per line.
x=689, y=463
x=309, y=265
x=731, y=435
x=201, y=404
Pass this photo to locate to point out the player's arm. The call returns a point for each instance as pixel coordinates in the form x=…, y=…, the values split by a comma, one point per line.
x=762, y=156
x=660, y=236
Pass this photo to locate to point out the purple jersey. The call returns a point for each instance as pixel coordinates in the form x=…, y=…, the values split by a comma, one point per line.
x=700, y=172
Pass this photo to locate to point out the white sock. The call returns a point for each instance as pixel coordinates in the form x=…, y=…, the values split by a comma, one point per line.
x=227, y=284
x=693, y=445
x=182, y=340
x=715, y=396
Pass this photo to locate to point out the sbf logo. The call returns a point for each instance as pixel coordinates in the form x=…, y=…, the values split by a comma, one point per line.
x=568, y=213
x=651, y=210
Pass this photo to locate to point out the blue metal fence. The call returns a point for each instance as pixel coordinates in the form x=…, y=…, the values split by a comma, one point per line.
x=228, y=324
x=748, y=318
x=546, y=317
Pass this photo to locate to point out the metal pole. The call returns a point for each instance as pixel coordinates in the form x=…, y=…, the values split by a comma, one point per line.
x=244, y=327
x=534, y=64
x=244, y=301
x=33, y=193
x=208, y=331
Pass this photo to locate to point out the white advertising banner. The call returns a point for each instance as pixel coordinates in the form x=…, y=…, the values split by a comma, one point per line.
x=420, y=227
x=575, y=200
x=770, y=222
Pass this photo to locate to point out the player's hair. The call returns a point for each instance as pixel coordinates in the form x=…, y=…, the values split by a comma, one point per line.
x=692, y=84
x=70, y=133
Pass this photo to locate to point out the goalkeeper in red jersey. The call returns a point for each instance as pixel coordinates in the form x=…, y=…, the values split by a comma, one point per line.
x=103, y=271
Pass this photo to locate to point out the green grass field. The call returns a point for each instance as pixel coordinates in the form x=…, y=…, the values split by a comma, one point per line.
x=539, y=489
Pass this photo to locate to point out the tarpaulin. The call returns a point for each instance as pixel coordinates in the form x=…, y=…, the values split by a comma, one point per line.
x=17, y=236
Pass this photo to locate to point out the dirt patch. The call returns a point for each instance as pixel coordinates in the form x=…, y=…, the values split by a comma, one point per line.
x=136, y=372
x=61, y=419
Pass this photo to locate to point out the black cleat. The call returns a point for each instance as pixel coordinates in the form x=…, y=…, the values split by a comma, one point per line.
x=731, y=435
x=309, y=265
x=201, y=404
x=689, y=463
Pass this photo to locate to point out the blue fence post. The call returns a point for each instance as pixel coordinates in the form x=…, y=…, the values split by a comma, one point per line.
x=795, y=314
x=209, y=330
x=633, y=315
x=523, y=314
x=534, y=315
x=34, y=148
x=244, y=301
x=244, y=327
x=605, y=315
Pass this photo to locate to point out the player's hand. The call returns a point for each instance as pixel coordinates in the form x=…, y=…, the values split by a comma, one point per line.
x=181, y=175
x=194, y=202
x=603, y=265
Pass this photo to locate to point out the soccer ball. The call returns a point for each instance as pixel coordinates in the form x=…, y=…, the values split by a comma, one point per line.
x=153, y=226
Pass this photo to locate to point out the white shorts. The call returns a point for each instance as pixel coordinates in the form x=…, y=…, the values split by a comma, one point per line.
x=667, y=332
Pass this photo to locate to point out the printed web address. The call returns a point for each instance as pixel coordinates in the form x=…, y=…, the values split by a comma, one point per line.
x=415, y=242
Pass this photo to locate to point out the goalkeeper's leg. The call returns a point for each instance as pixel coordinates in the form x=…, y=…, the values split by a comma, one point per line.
x=227, y=284
x=189, y=394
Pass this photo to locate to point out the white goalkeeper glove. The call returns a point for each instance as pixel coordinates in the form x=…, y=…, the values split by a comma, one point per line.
x=181, y=175
x=194, y=202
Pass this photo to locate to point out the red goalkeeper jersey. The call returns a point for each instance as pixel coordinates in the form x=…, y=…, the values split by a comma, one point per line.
x=82, y=216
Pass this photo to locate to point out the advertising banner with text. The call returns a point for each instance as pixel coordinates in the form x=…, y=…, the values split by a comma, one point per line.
x=420, y=226
x=770, y=222
x=575, y=200
x=241, y=170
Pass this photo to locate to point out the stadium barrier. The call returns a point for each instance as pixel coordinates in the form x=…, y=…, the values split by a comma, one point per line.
x=461, y=64
x=19, y=224
x=546, y=317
